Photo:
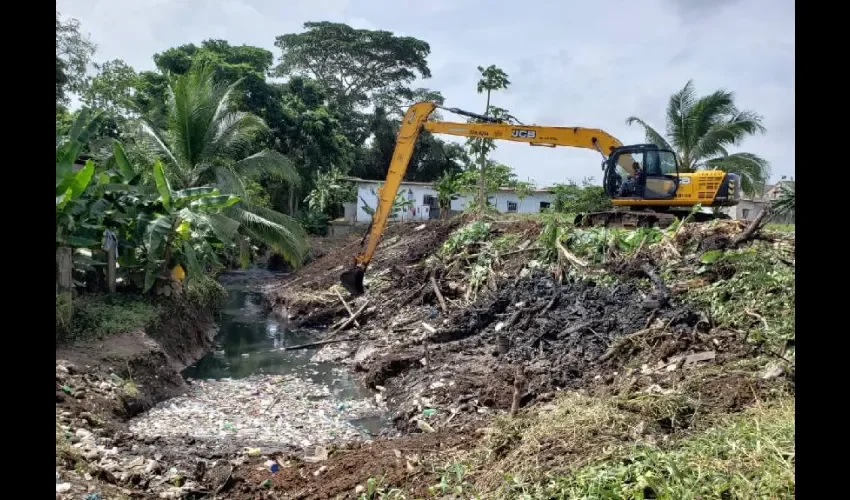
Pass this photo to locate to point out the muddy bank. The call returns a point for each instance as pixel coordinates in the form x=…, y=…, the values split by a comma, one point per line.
x=150, y=361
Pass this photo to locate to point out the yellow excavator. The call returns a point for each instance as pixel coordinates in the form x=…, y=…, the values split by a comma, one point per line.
x=643, y=180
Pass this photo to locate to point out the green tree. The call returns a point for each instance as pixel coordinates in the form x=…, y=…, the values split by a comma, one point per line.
x=430, y=159
x=73, y=55
x=702, y=129
x=330, y=191
x=356, y=67
x=492, y=79
x=448, y=187
x=496, y=175
x=353, y=64
x=206, y=144
x=300, y=124
x=523, y=189
x=113, y=89
x=575, y=198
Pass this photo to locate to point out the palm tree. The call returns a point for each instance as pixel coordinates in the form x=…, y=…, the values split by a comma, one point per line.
x=701, y=129
x=207, y=142
x=786, y=202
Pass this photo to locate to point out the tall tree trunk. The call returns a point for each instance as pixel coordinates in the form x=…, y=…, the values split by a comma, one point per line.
x=482, y=185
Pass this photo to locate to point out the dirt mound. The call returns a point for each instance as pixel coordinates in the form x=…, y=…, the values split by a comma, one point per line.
x=306, y=296
x=560, y=336
x=403, y=464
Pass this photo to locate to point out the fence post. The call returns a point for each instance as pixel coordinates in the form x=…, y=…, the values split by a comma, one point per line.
x=110, y=268
x=64, y=284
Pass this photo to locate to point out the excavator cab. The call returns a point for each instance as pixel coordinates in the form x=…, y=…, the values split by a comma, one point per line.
x=643, y=171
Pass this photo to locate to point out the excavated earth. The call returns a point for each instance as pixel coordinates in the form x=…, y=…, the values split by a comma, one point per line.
x=444, y=370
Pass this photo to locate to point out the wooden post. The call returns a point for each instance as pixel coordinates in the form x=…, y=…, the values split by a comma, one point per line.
x=110, y=268
x=64, y=284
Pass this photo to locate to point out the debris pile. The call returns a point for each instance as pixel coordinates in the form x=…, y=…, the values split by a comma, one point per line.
x=504, y=313
x=284, y=409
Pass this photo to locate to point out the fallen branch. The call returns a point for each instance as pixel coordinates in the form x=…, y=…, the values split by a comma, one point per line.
x=570, y=257
x=352, y=318
x=529, y=249
x=345, y=304
x=574, y=329
x=758, y=317
x=754, y=227
x=519, y=389
x=439, y=294
x=621, y=342
x=316, y=344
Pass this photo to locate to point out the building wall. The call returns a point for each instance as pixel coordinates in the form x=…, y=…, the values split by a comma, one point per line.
x=529, y=205
x=422, y=212
x=750, y=209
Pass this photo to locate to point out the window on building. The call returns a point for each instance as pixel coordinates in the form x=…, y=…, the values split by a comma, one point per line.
x=512, y=206
x=746, y=213
x=429, y=200
x=544, y=205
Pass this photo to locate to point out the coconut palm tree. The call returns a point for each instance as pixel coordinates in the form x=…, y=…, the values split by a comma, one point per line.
x=207, y=142
x=701, y=129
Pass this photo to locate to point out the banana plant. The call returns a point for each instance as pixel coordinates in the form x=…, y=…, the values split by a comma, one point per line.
x=71, y=185
x=185, y=217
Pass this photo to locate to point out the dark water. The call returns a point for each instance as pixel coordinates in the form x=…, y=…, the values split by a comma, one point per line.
x=250, y=339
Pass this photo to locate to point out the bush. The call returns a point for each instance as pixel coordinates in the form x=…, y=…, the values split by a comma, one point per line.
x=314, y=222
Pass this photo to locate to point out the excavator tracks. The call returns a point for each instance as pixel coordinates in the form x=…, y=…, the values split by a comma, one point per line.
x=636, y=219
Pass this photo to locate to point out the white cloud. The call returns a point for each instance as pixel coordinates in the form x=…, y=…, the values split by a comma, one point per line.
x=573, y=64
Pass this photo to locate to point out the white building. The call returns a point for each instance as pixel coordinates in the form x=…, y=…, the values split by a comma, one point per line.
x=423, y=198
x=506, y=201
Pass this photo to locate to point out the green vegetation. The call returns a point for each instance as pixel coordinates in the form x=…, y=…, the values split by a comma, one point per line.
x=99, y=315
x=757, y=298
x=751, y=455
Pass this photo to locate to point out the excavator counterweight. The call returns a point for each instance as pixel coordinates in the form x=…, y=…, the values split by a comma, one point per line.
x=642, y=180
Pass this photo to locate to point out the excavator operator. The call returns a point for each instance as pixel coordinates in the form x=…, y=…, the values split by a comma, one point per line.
x=635, y=183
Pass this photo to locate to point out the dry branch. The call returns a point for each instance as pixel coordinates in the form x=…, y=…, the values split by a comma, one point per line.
x=754, y=227
x=316, y=344
x=352, y=318
x=345, y=304
x=438, y=294
x=570, y=257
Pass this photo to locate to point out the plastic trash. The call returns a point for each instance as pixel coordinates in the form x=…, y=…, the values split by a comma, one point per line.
x=272, y=466
x=429, y=412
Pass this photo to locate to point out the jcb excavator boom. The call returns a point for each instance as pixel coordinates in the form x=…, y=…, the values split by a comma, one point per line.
x=412, y=124
x=618, y=158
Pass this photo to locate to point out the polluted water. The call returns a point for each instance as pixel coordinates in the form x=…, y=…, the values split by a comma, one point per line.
x=251, y=389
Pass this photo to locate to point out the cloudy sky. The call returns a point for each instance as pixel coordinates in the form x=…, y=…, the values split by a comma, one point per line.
x=570, y=63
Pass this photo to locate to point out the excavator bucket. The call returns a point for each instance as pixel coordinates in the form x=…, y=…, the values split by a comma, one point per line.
x=352, y=280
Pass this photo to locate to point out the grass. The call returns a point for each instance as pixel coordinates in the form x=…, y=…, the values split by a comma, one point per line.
x=744, y=456
x=98, y=316
x=782, y=228
x=567, y=434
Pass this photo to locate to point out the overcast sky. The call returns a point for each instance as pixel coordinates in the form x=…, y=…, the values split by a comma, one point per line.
x=589, y=64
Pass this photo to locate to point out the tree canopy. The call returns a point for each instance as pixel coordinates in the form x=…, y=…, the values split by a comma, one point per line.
x=353, y=64
x=73, y=55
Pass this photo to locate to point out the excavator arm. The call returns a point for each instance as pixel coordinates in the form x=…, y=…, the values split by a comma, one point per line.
x=416, y=119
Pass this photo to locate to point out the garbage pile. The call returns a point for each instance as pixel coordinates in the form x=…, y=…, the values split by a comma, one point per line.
x=282, y=409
